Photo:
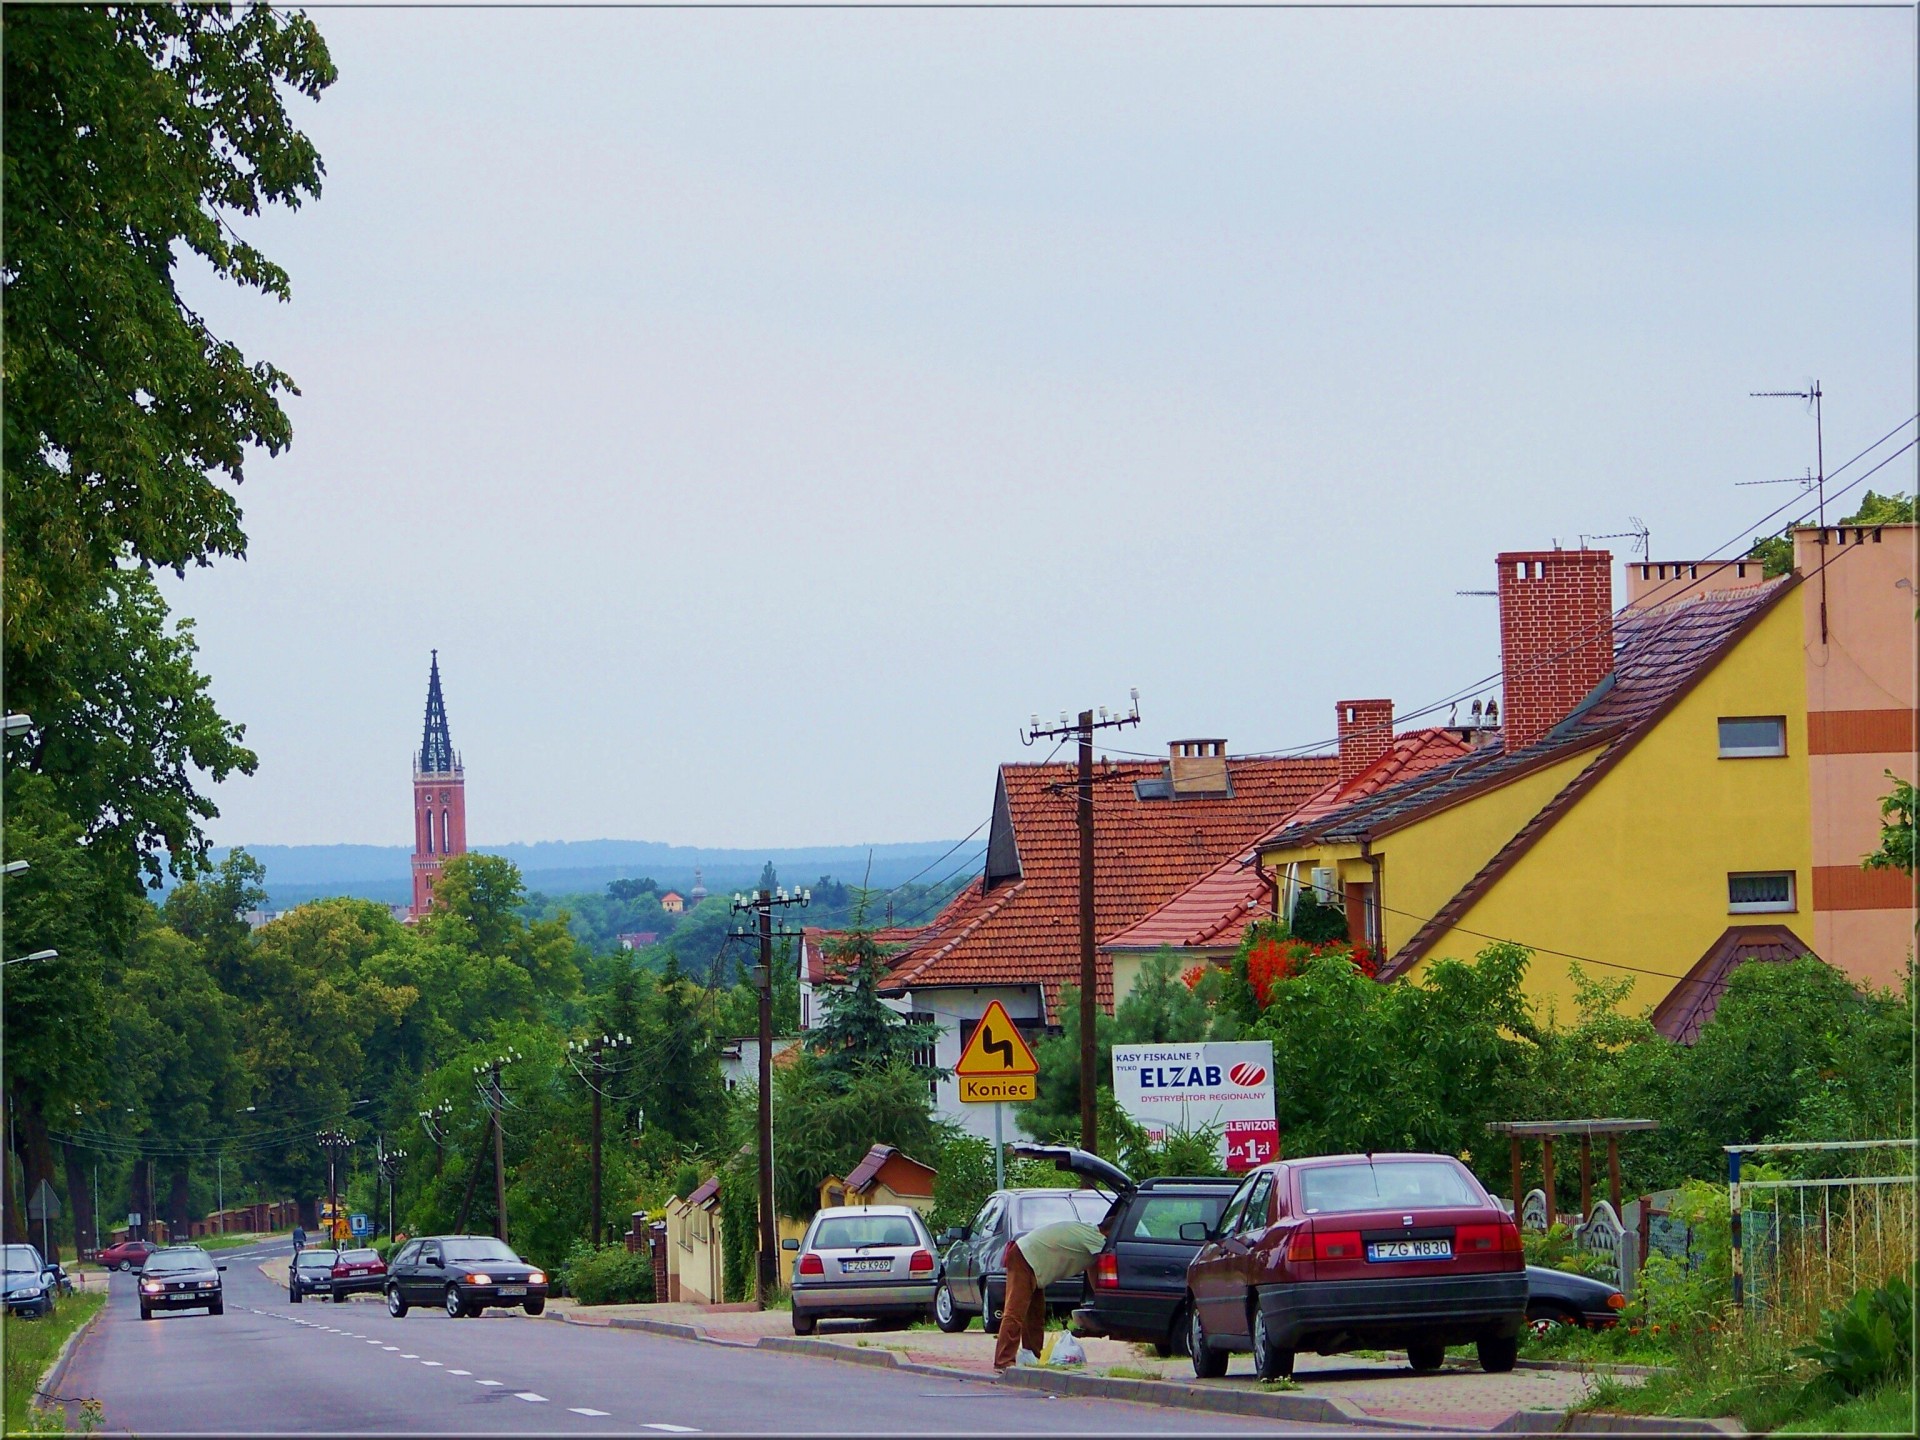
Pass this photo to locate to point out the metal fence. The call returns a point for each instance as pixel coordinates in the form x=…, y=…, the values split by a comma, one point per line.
x=1810, y=1239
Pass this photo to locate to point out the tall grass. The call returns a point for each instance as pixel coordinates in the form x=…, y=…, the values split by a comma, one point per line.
x=30, y=1347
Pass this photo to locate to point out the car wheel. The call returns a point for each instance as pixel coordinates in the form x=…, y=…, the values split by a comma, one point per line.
x=804, y=1324
x=1498, y=1352
x=1269, y=1361
x=1426, y=1356
x=990, y=1317
x=1545, y=1320
x=145, y=1313
x=946, y=1314
x=339, y=1297
x=396, y=1306
x=456, y=1307
x=1208, y=1363
x=535, y=1307
x=125, y=1265
x=294, y=1297
x=218, y=1307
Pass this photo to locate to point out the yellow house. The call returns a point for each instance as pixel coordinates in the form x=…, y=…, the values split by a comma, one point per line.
x=884, y=1177
x=1640, y=809
x=695, y=1267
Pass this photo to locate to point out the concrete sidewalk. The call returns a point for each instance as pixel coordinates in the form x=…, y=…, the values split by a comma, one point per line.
x=1374, y=1389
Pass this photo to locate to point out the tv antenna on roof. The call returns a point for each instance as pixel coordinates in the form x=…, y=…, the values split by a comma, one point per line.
x=1812, y=396
x=1641, y=536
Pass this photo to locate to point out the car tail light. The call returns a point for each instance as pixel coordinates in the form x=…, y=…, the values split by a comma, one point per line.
x=1106, y=1271
x=1337, y=1245
x=1300, y=1248
x=340, y=1270
x=921, y=1262
x=1616, y=1301
x=1501, y=1238
x=810, y=1264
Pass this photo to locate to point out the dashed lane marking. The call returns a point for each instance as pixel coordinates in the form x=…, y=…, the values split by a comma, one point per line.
x=585, y=1410
x=487, y=1382
x=459, y=1372
x=672, y=1429
x=532, y=1396
x=405, y=1356
x=434, y=1363
x=394, y=1348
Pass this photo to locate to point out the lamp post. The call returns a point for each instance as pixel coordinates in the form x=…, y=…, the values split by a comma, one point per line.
x=594, y=1053
x=390, y=1163
x=336, y=1143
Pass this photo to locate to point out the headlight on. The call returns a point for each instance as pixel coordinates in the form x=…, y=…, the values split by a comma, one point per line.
x=478, y=1279
x=209, y=1284
x=538, y=1277
x=152, y=1287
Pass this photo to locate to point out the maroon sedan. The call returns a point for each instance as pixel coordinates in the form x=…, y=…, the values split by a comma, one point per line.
x=1340, y=1252
x=127, y=1255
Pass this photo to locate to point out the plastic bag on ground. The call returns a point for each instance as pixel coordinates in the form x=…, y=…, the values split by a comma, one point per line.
x=1067, y=1351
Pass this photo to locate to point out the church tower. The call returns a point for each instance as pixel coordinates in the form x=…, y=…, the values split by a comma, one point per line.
x=439, y=799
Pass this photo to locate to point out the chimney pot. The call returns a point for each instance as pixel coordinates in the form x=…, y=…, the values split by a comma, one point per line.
x=1365, y=728
x=1556, y=636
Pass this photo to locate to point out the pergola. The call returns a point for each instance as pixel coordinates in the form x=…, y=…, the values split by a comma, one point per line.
x=1546, y=1132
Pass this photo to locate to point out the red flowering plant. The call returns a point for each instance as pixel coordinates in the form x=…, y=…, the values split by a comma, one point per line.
x=1269, y=955
x=1194, y=974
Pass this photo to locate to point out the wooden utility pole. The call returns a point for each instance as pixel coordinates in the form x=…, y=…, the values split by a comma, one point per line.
x=594, y=1053
x=1083, y=728
x=335, y=1143
x=762, y=903
x=496, y=1099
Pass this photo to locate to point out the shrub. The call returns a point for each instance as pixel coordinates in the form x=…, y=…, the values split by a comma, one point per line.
x=611, y=1275
x=1866, y=1342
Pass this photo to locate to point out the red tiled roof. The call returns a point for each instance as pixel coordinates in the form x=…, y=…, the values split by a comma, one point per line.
x=1215, y=909
x=1025, y=930
x=814, y=940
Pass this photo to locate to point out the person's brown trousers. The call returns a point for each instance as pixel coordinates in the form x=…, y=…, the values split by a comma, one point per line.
x=1024, y=1322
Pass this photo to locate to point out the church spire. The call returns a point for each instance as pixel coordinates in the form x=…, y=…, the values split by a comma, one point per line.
x=436, y=755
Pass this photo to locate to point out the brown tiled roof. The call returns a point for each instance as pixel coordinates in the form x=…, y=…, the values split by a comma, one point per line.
x=1659, y=655
x=706, y=1193
x=1691, y=1003
x=816, y=938
x=1215, y=909
x=1025, y=930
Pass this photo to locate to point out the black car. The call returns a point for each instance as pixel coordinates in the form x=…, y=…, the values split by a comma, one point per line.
x=309, y=1273
x=1558, y=1297
x=180, y=1277
x=1140, y=1279
x=463, y=1275
x=29, y=1282
x=973, y=1269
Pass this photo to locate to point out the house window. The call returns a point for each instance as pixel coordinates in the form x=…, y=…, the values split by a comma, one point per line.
x=923, y=1055
x=1760, y=892
x=1745, y=737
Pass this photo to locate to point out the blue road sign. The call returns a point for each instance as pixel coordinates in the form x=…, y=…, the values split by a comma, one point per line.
x=359, y=1225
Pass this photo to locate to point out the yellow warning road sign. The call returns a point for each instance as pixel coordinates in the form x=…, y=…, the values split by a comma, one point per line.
x=997, y=1064
x=985, y=1089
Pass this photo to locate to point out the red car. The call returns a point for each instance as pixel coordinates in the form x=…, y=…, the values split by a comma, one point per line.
x=356, y=1272
x=127, y=1255
x=1340, y=1252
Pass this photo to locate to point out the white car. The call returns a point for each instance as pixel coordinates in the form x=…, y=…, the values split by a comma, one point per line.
x=863, y=1262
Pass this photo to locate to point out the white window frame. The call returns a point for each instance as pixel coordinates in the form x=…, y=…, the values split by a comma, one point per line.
x=1741, y=752
x=1763, y=907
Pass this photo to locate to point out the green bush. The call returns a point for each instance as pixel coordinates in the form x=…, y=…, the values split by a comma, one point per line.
x=1866, y=1342
x=611, y=1275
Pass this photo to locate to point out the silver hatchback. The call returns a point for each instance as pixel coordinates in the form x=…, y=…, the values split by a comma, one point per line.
x=863, y=1262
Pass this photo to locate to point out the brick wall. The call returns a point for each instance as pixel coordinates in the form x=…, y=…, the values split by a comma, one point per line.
x=1556, y=636
x=1365, y=728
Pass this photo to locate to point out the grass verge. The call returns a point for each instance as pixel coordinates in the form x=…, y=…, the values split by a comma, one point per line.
x=232, y=1242
x=30, y=1347
x=1885, y=1412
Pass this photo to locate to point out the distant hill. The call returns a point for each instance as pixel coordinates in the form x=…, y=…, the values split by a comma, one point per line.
x=299, y=873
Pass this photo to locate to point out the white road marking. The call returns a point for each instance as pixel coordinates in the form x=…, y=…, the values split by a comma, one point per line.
x=674, y=1429
x=409, y=1357
x=585, y=1410
x=376, y=1342
x=390, y=1347
x=486, y=1382
x=459, y=1372
x=434, y=1363
x=530, y=1395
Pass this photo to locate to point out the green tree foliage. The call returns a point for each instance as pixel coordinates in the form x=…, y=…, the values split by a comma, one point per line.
x=1896, y=829
x=826, y=1121
x=1776, y=551
x=859, y=1034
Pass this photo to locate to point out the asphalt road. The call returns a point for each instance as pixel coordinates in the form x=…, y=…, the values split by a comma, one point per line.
x=269, y=1367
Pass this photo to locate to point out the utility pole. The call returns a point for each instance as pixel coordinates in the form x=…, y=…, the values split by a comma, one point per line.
x=390, y=1163
x=594, y=1052
x=439, y=1112
x=496, y=1099
x=1083, y=728
x=336, y=1144
x=762, y=904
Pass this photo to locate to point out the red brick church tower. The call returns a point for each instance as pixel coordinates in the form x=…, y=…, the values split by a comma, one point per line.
x=439, y=799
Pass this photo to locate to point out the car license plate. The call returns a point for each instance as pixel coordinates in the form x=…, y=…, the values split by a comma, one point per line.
x=1410, y=1250
x=513, y=1289
x=864, y=1266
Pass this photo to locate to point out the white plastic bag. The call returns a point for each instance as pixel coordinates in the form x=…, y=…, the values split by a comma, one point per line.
x=1067, y=1351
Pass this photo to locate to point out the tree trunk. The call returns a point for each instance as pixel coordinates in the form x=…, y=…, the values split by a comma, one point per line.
x=142, y=1194
x=177, y=1221
x=12, y=1216
x=86, y=1225
x=308, y=1210
x=36, y=1166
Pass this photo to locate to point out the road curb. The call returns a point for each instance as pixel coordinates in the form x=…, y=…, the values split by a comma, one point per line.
x=57, y=1371
x=1596, y=1367
x=1600, y=1422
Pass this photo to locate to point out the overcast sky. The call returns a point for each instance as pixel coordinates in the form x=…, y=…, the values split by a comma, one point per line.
x=765, y=413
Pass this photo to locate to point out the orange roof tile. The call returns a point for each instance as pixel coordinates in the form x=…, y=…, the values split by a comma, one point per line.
x=1215, y=909
x=1024, y=930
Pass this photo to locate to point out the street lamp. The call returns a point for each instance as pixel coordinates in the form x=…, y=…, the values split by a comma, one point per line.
x=336, y=1143
x=37, y=955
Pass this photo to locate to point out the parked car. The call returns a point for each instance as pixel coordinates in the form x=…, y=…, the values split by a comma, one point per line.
x=1139, y=1282
x=127, y=1255
x=973, y=1269
x=181, y=1277
x=310, y=1273
x=356, y=1272
x=1558, y=1297
x=29, y=1284
x=865, y=1262
x=1342, y=1251
x=463, y=1275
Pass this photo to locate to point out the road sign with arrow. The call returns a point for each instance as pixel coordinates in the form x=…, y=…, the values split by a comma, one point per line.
x=997, y=1064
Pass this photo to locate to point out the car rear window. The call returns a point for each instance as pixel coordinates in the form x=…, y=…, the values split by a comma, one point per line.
x=358, y=1257
x=849, y=1232
x=1038, y=1210
x=1159, y=1217
x=1384, y=1186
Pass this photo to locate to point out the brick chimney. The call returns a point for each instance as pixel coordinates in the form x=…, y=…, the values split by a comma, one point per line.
x=1365, y=728
x=1556, y=636
x=1197, y=767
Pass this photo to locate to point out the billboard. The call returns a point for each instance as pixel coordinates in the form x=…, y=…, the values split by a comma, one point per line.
x=1222, y=1085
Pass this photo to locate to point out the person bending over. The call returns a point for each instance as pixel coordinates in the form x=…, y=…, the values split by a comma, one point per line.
x=1035, y=1261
